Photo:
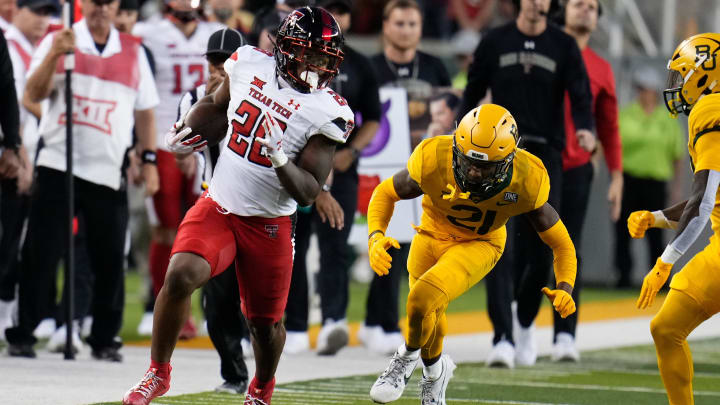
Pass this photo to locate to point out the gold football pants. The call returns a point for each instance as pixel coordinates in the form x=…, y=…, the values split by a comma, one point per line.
x=440, y=271
x=693, y=298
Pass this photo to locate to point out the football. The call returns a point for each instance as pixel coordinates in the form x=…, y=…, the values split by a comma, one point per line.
x=209, y=121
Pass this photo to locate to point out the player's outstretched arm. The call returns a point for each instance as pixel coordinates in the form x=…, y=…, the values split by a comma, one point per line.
x=695, y=216
x=382, y=204
x=546, y=222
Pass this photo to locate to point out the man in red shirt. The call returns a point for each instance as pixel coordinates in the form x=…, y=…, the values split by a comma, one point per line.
x=579, y=18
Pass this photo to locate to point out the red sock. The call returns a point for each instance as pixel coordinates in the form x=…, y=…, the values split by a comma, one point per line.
x=159, y=260
x=163, y=369
x=267, y=385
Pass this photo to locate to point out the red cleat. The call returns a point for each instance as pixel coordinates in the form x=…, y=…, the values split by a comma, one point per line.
x=258, y=396
x=188, y=331
x=149, y=388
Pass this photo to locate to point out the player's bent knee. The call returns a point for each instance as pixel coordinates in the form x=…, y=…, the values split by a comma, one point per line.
x=423, y=300
x=264, y=329
x=186, y=273
x=661, y=331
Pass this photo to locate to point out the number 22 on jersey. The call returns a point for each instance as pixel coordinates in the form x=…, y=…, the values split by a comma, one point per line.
x=245, y=129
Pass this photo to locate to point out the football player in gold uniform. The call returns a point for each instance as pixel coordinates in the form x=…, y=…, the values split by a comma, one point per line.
x=472, y=182
x=694, y=291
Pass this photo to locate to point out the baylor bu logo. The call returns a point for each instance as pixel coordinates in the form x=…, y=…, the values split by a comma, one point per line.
x=92, y=113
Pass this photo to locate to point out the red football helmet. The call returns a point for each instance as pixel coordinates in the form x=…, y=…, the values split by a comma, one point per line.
x=308, y=48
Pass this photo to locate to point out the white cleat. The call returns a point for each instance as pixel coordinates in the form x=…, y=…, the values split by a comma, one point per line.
x=432, y=392
x=333, y=336
x=56, y=343
x=45, y=328
x=391, y=383
x=295, y=342
x=525, y=346
x=502, y=355
x=146, y=324
x=564, y=348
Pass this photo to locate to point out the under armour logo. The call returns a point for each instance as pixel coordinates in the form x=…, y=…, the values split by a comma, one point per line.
x=272, y=231
x=529, y=44
x=257, y=83
x=292, y=103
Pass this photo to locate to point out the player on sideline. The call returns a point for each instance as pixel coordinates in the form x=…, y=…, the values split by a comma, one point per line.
x=262, y=175
x=472, y=182
x=694, y=291
x=178, y=43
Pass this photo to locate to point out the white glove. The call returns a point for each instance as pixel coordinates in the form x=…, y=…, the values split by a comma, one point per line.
x=175, y=143
x=273, y=141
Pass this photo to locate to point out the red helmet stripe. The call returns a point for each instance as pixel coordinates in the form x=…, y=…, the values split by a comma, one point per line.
x=327, y=23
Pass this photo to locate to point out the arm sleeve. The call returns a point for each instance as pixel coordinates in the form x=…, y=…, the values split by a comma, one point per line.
x=564, y=258
x=147, y=92
x=479, y=74
x=578, y=86
x=606, y=115
x=694, y=228
x=10, y=113
x=381, y=207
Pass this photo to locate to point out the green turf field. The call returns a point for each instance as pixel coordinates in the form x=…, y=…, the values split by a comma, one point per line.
x=606, y=377
x=473, y=300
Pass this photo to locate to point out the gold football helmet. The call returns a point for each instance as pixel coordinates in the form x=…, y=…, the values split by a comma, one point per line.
x=484, y=146
x=694, y=71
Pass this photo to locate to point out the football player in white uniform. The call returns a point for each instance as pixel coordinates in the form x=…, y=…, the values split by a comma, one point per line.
x=284, y=124
x=178, y=43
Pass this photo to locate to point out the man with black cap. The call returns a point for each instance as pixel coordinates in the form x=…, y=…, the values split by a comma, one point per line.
x=178, y=42
x=221, y=301
x=332, y=215
x=529, y=65
x=28, y=27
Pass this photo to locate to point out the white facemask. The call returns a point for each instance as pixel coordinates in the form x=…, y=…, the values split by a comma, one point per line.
x=310, y=78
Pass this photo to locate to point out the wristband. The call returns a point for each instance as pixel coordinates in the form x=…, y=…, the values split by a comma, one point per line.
x=670, y=255
x=661, y=221
x=278, y=159
x=148, y=156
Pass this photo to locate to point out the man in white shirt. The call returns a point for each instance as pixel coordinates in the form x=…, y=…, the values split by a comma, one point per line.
x=178, y=43
x=113, y=89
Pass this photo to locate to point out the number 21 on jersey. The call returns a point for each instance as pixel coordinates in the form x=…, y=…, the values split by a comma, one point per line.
x=245, y=129
x=476, y=216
